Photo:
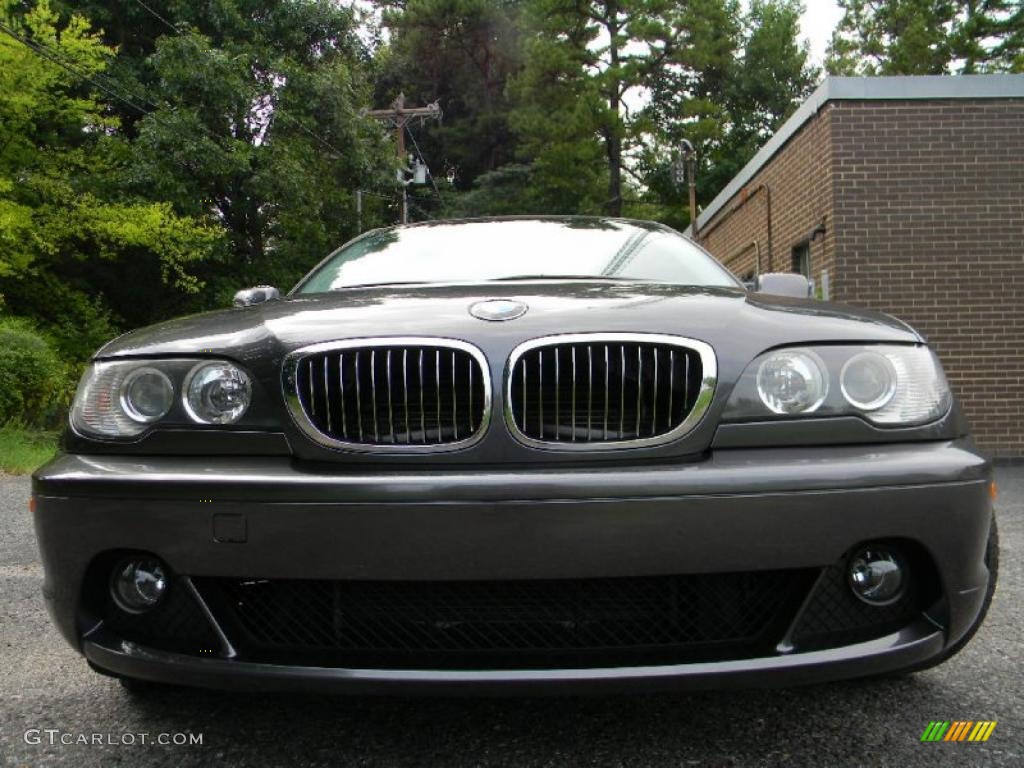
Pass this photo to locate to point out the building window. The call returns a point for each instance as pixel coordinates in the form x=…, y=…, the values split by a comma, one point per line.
x=802, y=259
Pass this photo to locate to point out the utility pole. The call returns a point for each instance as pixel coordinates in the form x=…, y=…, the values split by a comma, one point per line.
x=398, y=116
x=686, y=167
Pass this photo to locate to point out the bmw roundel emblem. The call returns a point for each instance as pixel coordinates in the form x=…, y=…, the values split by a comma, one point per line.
x=497, y=310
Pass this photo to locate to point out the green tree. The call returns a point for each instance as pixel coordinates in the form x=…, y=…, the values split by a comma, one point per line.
x=68, y=238
x=727, y=95
x=631, y=80
x=257, y=124
x=772, y=78
x=588, y=64
x=988, y=35
x=927, y=37
x=460, y=53
x=775, y=74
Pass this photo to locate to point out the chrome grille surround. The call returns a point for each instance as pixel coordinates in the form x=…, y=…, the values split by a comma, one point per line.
x=386, y=345
x=701, y=399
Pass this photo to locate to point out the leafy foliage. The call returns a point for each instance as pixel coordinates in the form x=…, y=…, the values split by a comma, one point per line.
x=928, y=37
x=559, y=106
x=69, y=234
x=32, y=378
x=256, y=126
x=157, y=156
x=461, y=53
x=626, y=83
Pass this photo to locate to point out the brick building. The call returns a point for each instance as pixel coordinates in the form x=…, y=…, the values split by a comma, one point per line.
x=903, y=194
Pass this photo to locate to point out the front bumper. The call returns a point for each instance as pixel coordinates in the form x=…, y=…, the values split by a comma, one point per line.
x=739, y=511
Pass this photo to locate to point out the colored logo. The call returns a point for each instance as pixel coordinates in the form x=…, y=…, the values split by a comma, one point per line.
x=497, y=310
x=958, y=730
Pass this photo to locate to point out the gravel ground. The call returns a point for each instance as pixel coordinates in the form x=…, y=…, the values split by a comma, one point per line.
x=44, y=685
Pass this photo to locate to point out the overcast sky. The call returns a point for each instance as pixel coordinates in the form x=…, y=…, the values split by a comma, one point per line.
x=819, y=19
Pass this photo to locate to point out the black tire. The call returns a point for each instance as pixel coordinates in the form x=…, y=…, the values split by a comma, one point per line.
x=992, y=561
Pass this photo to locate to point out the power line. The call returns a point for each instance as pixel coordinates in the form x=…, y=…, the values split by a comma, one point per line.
x=398, y=116
x=298, y=124
x=283, y=115
x=421, y=210
x=105, y=84
x=430, y=173
x=165, y=22
x=46, y=54
x=50, y=56
x=42, y=51
x=100, y=81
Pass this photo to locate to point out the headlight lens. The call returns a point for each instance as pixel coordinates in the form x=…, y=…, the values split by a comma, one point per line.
x=217, y=393
x=146, y=395
x=888, y=385
x=868, y=381
x=792, y=381
x=124, y=398
x=922, y=393
x=99, y=406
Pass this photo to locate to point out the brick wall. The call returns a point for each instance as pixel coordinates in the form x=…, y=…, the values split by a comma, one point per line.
x=929, y=221
x=923, y=205
x=798, y=183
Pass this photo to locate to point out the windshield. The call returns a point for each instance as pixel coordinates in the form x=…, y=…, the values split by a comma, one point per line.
x=480, y=251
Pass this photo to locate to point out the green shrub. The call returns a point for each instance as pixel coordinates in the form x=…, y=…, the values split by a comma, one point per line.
x=33, y=381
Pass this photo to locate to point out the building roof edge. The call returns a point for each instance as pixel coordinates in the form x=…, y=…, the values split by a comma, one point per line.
x=999, y=86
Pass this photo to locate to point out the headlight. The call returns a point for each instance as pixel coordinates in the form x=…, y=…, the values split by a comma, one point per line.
x=885, y=384
x=792, y=381
x=146, y=395
x=217, y=393
x=868, y=381
x=100, y=406
x=124, y=398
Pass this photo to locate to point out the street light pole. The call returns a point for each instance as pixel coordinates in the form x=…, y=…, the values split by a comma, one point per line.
x=690, y=159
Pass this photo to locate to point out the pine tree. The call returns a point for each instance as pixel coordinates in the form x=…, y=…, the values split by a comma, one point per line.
x=927, y=37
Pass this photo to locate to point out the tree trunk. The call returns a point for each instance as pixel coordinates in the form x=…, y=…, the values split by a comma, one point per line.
x=614, y=147
x=613, y=138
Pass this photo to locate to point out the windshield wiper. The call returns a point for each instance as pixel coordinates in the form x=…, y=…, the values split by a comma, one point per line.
x=560, y=277
x=379, y=285
x=508, y=278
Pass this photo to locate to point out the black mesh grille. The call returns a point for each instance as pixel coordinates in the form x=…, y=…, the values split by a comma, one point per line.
x=509, y=623
x=603, y=392
x=393, y=395
x=835, y=616
x=176, y=624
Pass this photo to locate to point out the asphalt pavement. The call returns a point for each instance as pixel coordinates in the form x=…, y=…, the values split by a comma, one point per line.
x=49, y=696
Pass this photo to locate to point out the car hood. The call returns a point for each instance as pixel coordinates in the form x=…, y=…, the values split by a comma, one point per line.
x=739, y=325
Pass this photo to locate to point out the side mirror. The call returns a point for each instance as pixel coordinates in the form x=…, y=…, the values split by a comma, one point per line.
x=257, y=295
x=784, y=284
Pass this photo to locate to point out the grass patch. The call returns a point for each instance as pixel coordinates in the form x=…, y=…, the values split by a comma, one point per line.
x=23, y=450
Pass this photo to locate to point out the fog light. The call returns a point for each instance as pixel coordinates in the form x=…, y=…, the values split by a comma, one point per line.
x=877, y=575
x=138, y=583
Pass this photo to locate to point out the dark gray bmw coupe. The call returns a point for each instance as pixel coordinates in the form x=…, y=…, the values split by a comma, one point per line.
x=514, y=454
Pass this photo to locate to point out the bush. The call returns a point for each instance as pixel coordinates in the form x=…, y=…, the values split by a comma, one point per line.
x=33, y=381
